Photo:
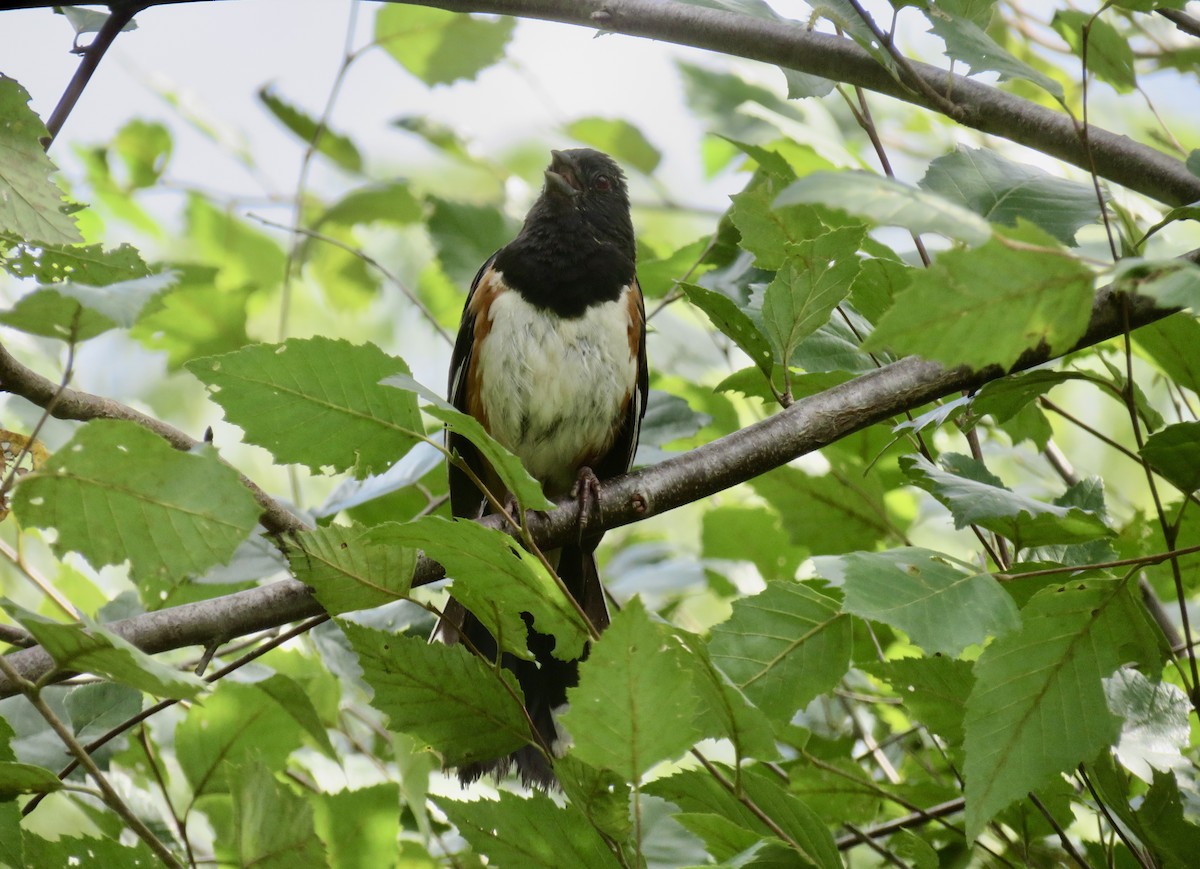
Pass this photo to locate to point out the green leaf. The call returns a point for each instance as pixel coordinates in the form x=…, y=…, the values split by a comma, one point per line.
x=387, y=202
x=987, y=306
x=196, y=318
x=316, y=402
x=755, y=534
x=88, y=851
x=90, y=648
x=447, y=697
x=635, y=704
x=294, y=699
x=360, y=827
x=116, y=492
x=496, y=580
x=1174, y=345
x=976, y=497
x=1109, y=55
x=350, y=568
x=942, y=605
x=1174, y=452
x=440, y=47
x=273, y=827
x=1156, y=726
x=886, y=202
x=837, y=516
x=619, y=139
x=724, y=711
x=816, y=276
x=53, y=263
x=235, y=723
x=783, y=647
x=335, y=146
x=1170, y=833
x=733, y=322
x=245, y=255
x=935, y=690
x=25, y=778
x=76, y=312
x=1172, y=283
x=466, y=235
x=1002, y=191
x=1038, y=707
x=517, y=481
x=145, y=148
x=969, y=43
x=515, y=833
x=765, y=228
x=31, y=205
x=697, y=792
x=1005, y=397
x=95, y=709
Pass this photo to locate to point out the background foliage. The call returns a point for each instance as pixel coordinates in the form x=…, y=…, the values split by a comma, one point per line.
x=960, y=636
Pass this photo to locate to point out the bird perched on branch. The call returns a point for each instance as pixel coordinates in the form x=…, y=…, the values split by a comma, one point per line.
x=551, y=359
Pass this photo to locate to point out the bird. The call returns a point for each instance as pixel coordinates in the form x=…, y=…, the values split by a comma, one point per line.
x=550, y=358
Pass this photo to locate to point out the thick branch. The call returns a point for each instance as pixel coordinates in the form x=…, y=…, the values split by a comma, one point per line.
x=807, y=425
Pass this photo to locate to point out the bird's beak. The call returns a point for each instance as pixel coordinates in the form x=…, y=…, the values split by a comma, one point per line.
x=562, y=178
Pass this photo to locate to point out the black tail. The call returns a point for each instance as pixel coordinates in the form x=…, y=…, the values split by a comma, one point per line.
x=544, y=681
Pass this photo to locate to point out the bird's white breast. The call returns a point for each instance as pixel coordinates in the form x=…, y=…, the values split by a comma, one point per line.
x=554, y=389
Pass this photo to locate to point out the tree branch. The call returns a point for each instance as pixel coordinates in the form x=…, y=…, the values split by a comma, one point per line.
x=808, y=425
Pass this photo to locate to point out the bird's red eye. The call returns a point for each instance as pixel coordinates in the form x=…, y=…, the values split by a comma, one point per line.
x=602, y=183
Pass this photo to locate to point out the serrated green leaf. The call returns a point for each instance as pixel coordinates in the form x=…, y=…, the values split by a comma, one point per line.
x=635, y=704
x=934, y=689
x=316, y=402
x=619, y=139
x=338, y=148
x=1005, y=397
x=1174, y=345
x=733, y=322
x=987, y=306
x=765, y=228
x=783, y=647
x=447, y=697
x=25, y=778
x=515, y=833
x=496, y=580
x=942, y=606
x=967, y=42
x=76, y=312
x=816, y=276
x=1038, y=706
x=1002, y=191
x=600, y=794
x=1170, y=833
x=273, y=827
x=976, y=497
x=696, y=791
x=438, y=46
x=348, y=568
x=116, y=492
x=724, y=711
x=235, y=722
x=95, y=709
x=1109, y=54
x=1174, y=452
x=887, y=202
x=31, y=205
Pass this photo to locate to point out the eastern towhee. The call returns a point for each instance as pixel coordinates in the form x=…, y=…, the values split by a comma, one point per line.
x=551, y=359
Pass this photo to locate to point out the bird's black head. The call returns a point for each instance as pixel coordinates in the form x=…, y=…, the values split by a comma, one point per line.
x=576, y=247
x=586, y=188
